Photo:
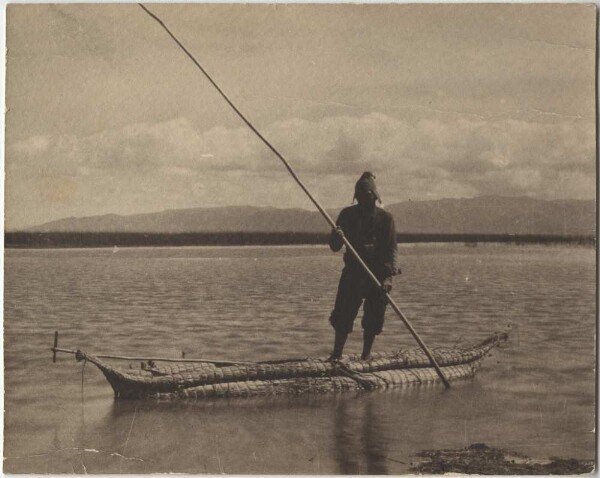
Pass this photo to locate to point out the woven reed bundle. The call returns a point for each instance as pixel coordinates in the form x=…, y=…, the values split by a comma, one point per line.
x=318, y=385
x=190, y=374
x=314, y=375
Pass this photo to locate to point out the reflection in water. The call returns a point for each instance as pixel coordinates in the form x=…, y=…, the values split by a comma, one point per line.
x=81, y=441
x=374, y=441
x=360, y=440
x=350, y=428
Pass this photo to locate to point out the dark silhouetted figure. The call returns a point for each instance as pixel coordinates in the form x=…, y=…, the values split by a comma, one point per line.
x=372, y=233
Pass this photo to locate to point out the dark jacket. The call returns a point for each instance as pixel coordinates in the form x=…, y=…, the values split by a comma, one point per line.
x=373, y=236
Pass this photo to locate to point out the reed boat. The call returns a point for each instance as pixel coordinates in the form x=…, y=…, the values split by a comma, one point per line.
x=197, y=379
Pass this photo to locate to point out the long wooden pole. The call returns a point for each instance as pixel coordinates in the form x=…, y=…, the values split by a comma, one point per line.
x=311, y=197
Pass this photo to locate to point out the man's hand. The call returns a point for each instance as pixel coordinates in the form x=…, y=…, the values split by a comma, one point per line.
x=338, y=230
x=336, y=239
x=386, y=285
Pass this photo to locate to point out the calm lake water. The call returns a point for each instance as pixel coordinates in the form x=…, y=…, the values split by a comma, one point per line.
x=535, y=395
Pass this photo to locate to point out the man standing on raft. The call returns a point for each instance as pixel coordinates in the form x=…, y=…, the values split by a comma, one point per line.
x=372, y=233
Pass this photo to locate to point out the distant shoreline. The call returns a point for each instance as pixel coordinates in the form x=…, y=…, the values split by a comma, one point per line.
x=44, y=240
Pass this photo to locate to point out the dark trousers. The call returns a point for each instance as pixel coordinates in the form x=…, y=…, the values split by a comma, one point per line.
x=354, y=288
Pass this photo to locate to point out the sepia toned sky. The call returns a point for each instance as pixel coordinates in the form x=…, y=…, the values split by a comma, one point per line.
x=105, y=114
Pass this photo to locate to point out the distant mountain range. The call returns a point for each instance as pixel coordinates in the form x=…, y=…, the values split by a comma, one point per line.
x=484, y=215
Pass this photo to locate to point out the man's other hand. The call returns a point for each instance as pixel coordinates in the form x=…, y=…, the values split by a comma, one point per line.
x=386, y=285
x=338, y=230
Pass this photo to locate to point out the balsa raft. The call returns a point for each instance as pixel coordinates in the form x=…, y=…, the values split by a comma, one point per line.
x=198, y=379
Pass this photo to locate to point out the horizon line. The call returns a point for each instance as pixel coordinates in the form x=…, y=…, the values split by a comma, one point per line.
x=384, y=205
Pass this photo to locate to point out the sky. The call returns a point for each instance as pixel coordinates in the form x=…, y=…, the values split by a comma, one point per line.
x=106, y=115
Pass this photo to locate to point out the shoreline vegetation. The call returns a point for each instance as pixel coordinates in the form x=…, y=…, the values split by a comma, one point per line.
x=44, y=240
x=481, y=459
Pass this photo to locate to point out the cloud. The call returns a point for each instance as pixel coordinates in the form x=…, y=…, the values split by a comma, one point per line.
x=174, y=164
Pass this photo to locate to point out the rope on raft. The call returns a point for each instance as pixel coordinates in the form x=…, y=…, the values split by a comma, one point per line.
x=356, y=376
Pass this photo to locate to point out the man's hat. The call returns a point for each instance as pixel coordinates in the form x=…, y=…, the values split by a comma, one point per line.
x=367, y=183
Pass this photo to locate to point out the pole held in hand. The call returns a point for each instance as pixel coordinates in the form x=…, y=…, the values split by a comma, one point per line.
x=310, y=196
